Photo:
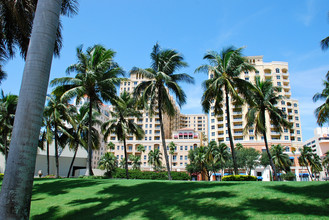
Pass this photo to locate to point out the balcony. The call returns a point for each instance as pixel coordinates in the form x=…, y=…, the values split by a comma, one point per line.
x=237, y=113
x=237, y=119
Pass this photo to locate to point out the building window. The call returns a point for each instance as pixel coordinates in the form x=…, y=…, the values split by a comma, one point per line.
x=185, y=147
x=278, y=77
x=283, y=102
x=278, y=83
x=296, y=118
x=121, y=147
x=145, y=138
x=145, y=131
x=257, y=72
x=299, y=139
x=150, y=147
x=181, y=147
x=285, y=130
x=251, y=138
x=247, y=78
x=297, y=125
x=181, y=157
x=296, y=111
x=212, y=133
x=284, y=109
x=298, y=131
x=212, y=120
x=150, y=138
x=118, y=147
x=295, y=104
x=212, y=126
x=286, y=138
x=246, y=72
x=145, y=157
x=277, y=70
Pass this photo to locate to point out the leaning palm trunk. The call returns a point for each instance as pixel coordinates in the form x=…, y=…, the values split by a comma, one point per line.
x=72, y=162
x=270, y=157
x=164, y=141
x=16, y=192
x=309, y=172
x=90, y=150
x=48, y=158
x=56, y=152
x=236, y=171
x=126, y=157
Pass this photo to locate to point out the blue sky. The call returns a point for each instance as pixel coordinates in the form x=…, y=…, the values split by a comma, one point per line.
x=280, y=30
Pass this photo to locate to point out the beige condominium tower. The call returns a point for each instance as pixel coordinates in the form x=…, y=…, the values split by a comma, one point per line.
x=278, y=72
x=186, y=131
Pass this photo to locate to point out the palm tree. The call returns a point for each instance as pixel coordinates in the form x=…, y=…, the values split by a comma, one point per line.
x=140, y=148
x=325, y=163
x=222, y=155
x=309, y=158
x=15, y=196
x=58, y=113
x=280, y=159
x=154, y=158
x=325, y=42
x=96, y=79
x=224, y=70
x=78, y=132
x=121, y=122
x=108, y=162
x=322, y=112
x=262, y=98
x=8, y=104
x=172, y=148
x=47, y=135
x=160, y=79
x=111, y=146
x=136, y=161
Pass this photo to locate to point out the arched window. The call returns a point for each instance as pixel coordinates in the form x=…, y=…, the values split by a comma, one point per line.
x=277, y=70
x=287, y=149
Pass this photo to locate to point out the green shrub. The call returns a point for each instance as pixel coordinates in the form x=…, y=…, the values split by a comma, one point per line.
x=137, y=174
x=1, y=176
x=49, y=176
x=289, y=176
x=239, y=178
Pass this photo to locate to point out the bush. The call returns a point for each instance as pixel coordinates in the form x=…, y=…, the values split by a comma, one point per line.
x=288, y=176
x=1, y=176
x=137, y=174
x=239, y=178
x=49, y=176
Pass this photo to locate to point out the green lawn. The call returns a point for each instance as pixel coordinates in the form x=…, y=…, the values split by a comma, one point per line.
x=146, y=199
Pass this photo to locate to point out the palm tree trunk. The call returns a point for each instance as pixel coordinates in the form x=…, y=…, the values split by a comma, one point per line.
x=48, y=158
x=75, y=154
x=56, y=152
x=309, y=172
x=270, y=157
x=164, y=147
x=235, y=165
x=90, y=150
x=16, y=192
x=126, y=157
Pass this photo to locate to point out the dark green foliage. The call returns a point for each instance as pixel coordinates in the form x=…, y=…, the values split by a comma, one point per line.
x=239, y=178
x=289, y=176
x=137, y=174
x=1, y=176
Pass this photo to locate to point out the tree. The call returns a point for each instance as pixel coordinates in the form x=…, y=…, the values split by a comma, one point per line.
x=96, y=78
x=280, y=159
x=15, y=197
x=58, y=113
x=309, y=158
x=262, y=98
x=122, y=163
x=248, y=158
x=111, y=146
x=325, y=42
x=140, y=148
x=8, y=104
x=108, y=162
x=154, y=158
x=47, y=135
x=136, y=161
x=122, y=123
x=78, y=132
x=325, y=163
x=224, y=70
x=160, y=80
x=172, y=148
x=322, y=112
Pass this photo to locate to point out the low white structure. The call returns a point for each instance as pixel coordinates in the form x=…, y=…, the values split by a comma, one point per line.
x=65, y=158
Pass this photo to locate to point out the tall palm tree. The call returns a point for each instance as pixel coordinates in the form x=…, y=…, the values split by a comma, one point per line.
x=154, y=158
x=325, y=163
x=172, y=148
x=309, y=158
x=15, y=196
x=159, y=79
x=262, y=98
x=57, y=111
x=47, y=135
x=322, y=112
x=224, y=69
x=122, y=123
x=96, y=79
x=108, y=162
x=8, y=104
x=78, y=132
x=280, y=159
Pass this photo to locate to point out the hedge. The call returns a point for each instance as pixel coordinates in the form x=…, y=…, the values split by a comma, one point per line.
x=289, y=176
x=1, y=176
x=137, y=174
x=239, y=178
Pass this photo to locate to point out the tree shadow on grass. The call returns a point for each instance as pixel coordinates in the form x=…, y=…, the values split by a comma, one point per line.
x=282, y=206
x=56, y=187
x=49, y=214
x=320, y=191
x=156, y=200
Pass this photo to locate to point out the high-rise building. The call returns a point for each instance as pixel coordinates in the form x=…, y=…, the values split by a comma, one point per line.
x=279, y=74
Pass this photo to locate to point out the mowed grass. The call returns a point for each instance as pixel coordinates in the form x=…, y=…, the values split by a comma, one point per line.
x=147, y=199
